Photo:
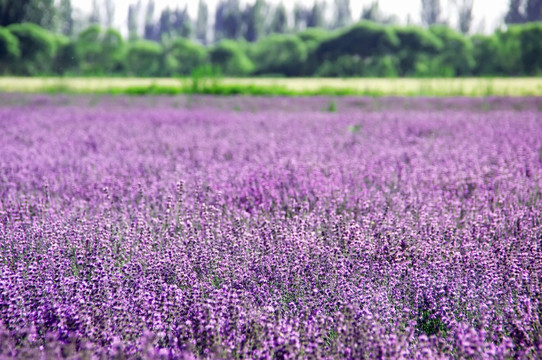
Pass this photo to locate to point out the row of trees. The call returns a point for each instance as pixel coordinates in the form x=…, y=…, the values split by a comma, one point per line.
x=232, y=20
x=363, y=49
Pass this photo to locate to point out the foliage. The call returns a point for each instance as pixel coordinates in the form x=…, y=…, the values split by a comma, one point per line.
x=228, y=56
x=66, y=59
x=431, y=12
x=37, y=48
x=183, y=56
x=417, y=44
x=143, y=58
x=280, y=54
x=364, y=39
x=456, y=55
x=9, y=49
x=363, y=49
x=100, y=52
x=485, y=49
x=530, y=38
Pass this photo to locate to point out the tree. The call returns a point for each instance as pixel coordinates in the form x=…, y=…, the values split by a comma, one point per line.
x=89, y=50
x=181, y=23
x=202, y=22
x=431, y=12
x=464, y=8
x=65, y=17
x=228, y=20
x=112, y=48
x=279, y=22
x=342, y=15
x=486, y=50
x=233, y=20
x=301, y=16
x=183, y=56
x=40, y=12
x=95, y=16
x=364, y=40
x=417, y=46
x=533, y=10
x=165, y=24
x=372, y=12
x=66, y=59
x=12, y=12
x=9, y=50
x=133, y=20
x=151, y=31
x=280, y=54
x=36, y=46
x=174, y=23
x=514, y=14
x=254, y=21
x=109, y=7
x=456, y=57
x=229, y=57
x=316, y=15
x=143, y=58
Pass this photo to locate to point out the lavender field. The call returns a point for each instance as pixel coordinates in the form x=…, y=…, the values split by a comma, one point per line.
x=270, y=228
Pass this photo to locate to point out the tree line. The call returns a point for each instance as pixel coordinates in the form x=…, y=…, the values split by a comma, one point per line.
x=243, y=42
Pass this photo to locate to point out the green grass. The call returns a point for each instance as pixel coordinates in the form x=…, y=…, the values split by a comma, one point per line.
x=284, y=87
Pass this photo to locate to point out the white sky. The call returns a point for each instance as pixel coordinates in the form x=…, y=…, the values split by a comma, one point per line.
x=488, y=14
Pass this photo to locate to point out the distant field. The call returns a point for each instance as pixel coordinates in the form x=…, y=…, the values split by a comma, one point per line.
x=290, y=86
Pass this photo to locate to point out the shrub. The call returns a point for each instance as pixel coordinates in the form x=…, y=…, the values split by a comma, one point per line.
x=184, y=56
x=36, y=47
x=530, y=36
x=9, y=50
x=282, y=54
x=100, y=52
x=228, y=56
x=456, y=56
x=143, y=58
x=66, y=59
x=364, y=39
x=486, y=55
x=416, y=44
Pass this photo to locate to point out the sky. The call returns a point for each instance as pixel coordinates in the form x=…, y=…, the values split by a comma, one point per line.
x=488, y=14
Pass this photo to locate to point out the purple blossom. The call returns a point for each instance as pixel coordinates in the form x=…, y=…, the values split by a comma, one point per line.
x=283, y=232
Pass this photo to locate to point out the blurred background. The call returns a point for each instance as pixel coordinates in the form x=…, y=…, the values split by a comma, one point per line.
x=270, y=38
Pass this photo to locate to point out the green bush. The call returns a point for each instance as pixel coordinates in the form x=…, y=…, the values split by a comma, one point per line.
x=66, y=59
x=228, y=56
x=143, y=58
x=9, y=50
x=312, y=37
x=349, y=65
x=509, y=56
x=184, y=56
x=100, y=52
x=456, y=57
x=113, y=49
x=530, y=36
x=280, y=54
x=486, y=55
x=343, y=66
x=417, y=44
x=37, y=48
x=365, y=39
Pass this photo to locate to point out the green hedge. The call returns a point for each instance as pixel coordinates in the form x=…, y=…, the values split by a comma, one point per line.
x=363, y=49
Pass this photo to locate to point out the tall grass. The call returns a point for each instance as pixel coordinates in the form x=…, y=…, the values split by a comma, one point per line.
x=208, y=80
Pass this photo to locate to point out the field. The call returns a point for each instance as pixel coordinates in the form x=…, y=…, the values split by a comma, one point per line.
x=282, y=86
x=197, y=227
